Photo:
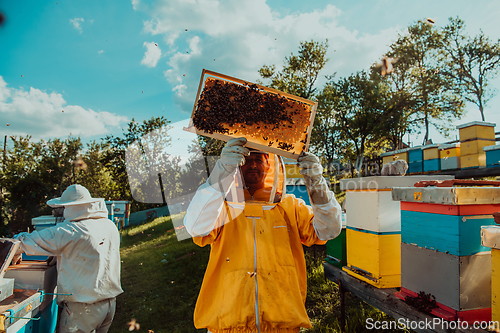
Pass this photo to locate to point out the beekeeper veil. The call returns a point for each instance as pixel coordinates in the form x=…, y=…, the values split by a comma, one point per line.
x=79, y=205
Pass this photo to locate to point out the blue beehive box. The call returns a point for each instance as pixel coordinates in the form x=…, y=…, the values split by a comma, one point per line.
x=110, y=206
x=415, y=159
x=492, y=156
x=432, y=165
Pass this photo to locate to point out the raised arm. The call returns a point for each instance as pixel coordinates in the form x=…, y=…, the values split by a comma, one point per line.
x=327, y=212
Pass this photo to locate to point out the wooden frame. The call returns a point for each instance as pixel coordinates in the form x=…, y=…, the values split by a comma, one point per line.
x=253, y=143
x=9, y=254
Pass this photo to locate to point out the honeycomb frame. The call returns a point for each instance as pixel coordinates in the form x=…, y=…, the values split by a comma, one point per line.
x=291, y=148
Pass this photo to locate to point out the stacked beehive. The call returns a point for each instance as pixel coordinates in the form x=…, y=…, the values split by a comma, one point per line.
x=450, y=156
x=432, y=162
x=373, y=234
x=490, y=237
x=474, y=136
x=441, y=251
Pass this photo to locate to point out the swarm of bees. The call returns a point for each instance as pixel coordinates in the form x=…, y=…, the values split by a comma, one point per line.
x=267, y=118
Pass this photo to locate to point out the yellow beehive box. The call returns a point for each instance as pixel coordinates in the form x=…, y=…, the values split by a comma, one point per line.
x=270, y=120
x=387, y=158
x=476, y=130
x=450, y=150
x=495, y=285
x=473, y=161
x=374, y=257
x=431, y=152
x=292, y=170
x=475, y=146
x=490, y=237
x=401, y=154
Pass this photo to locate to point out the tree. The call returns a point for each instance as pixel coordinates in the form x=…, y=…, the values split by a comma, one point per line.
x=356, y=108
x=435, y=99
x=471, y=62
x=300, y=72
x=115, y=149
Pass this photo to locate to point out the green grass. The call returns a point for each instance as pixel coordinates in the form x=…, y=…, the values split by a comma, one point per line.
x=161, y=278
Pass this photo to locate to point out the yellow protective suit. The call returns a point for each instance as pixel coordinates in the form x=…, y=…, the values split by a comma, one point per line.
x=256, y=280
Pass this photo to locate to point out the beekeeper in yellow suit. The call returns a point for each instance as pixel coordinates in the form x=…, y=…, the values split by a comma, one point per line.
x=87, y=247
x=256, y=280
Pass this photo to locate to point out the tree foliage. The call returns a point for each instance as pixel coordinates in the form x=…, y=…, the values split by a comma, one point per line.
x=435, y=98
x=470, y=62
x=300, y=72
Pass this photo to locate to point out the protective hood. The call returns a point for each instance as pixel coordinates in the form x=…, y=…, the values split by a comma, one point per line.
x=93, y=210
x=274, y=183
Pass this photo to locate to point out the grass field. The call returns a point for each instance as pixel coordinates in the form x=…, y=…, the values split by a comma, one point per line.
x=161, y=278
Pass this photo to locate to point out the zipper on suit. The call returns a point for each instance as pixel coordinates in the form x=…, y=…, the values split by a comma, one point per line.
x=255, y=277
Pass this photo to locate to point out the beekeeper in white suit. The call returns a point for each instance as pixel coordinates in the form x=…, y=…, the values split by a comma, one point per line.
x=87, y=247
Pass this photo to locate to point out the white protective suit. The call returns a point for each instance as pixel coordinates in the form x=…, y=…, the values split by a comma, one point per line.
x=87, y=246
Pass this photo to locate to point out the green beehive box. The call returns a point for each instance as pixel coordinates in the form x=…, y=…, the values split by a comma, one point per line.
x=336, y=252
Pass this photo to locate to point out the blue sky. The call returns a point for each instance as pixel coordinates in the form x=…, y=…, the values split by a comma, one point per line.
x=106, y=62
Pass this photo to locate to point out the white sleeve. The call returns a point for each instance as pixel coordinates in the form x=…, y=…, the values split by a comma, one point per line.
x=43, y=242
x=205, y=211
x=327, y=220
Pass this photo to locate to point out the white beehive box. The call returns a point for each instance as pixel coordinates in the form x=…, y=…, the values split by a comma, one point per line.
x=369, y=203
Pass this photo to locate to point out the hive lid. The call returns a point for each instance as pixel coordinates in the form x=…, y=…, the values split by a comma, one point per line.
x=448, y=195
x=474, y=123
x=386, y=182
x=488, y=148
x=219, y=95
x=434, y=145
x=490, y=236
x=8, y=248
x=449, y=145
x=44, y=219
x=416, y=148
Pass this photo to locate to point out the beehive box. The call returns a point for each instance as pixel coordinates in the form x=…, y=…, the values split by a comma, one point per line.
x=291, y=168
x=446, y=219
x=492, y=155
x=431, y=161
x=415, y=160
x=271, y=120
x=387, y=157
x=450, y=156
x=475, y=146
x=374, y=257
x=297, y=187
x=473, y=161
x=336, y=250
x=374, y=227
x=476, y=130
x=369, y=200
x=490, y=237
x=460, y=284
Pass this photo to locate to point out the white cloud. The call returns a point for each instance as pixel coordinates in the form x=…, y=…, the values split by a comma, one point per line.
x=46, y=115
x=135, y=4
x=237, y=38
x=77, y=21
x=152, y=54
x=100, y=52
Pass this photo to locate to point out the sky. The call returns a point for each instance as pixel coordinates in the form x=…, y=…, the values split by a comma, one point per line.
x=87, y=68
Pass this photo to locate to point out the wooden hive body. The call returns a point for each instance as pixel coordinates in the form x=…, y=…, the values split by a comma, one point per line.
x=450, y=156
x=460, y=284
x=374, y=257
x=492, y=156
